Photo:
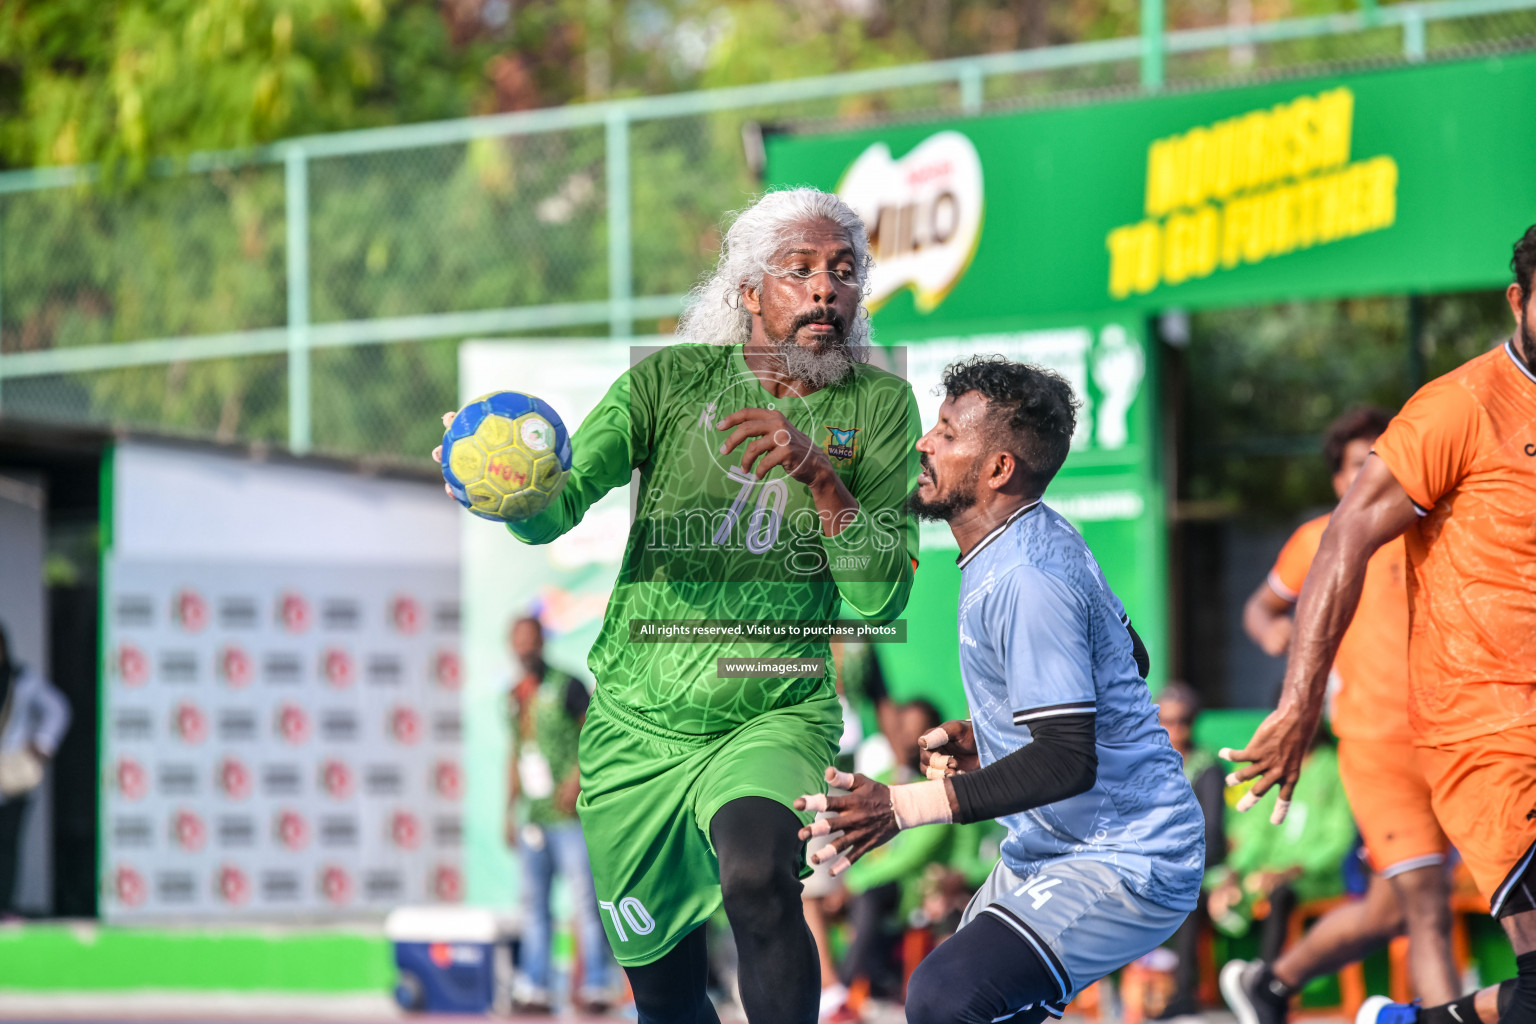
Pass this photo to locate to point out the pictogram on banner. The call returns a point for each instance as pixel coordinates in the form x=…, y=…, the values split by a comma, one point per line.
x=405, y=614
x=132, y=779
x=292, y=723
x=189, y=610
x=130, y=887
x=294, y=612
x=338, y=668
x=132, y=665
x=189, y=723
x=337, y=779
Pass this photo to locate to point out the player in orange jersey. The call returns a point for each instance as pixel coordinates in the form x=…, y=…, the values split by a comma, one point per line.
x=1455, y=475
x=1387, y=792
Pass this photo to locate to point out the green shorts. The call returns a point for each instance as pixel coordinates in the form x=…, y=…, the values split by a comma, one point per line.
x=648, y=795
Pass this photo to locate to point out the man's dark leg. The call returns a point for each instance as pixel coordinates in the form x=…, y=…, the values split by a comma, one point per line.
x=1282, y=900
x=11, y=814
x=1186, y=977
x=983, y=974
x=759, y=848
x=671, y=990
x=869, y=952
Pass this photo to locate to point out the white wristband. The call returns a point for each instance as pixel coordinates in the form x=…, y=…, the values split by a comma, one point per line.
x=921, y=803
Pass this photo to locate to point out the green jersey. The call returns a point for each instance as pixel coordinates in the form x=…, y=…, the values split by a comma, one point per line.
x=708, y=542
x=545, y=731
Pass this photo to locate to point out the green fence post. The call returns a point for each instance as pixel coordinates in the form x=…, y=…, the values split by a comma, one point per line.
x=1413, y=35
x=620, y=256
x=1152, y=45
x=296, y=194
x=972, y=88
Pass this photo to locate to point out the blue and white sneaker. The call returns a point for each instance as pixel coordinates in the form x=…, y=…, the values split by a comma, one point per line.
x=1381, y=1010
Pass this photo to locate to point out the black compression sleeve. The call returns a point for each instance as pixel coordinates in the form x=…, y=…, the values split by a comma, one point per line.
x=1061, y=761
x=1139, y=650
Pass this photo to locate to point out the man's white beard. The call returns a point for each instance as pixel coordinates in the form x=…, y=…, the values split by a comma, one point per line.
x=817, y=369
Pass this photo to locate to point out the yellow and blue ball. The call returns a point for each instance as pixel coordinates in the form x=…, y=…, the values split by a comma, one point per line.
x=506, y=456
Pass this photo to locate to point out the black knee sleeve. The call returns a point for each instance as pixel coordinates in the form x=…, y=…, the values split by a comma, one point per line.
x=984, y=973
x=1517, y=1002
x=671, y=990
x=759, y=850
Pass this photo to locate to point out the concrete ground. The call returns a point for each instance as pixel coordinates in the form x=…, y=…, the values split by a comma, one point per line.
x=216, y=1008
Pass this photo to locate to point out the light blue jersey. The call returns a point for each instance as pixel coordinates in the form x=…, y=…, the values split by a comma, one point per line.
x=1042, y=635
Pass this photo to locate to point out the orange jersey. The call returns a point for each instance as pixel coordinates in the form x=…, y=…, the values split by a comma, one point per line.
x=1464, y=448
x=1372, y=663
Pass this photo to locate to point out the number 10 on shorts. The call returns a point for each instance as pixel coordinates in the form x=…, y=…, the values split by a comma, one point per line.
x=631, y=912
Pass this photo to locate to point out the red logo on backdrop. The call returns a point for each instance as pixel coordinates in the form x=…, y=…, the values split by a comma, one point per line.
x=405, y=830
x=190, y=609
x=132, y=779
x=234, y=885
x=236, y=666
x=405, y=724
x=132, y=665
x=189, y=722
x=405, y=613
x=188, y=831
x=447, y=883
x=291, y=830
x=234, y=779
x=337, y=667
x=447, y=780
x=441, y=954
x=129, y=886
x=294, y=612
x=446, y=669
x=335, y=884
x=336, y=779
x=292, y=723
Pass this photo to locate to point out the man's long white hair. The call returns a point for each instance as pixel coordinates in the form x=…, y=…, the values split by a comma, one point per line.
x=715, y=314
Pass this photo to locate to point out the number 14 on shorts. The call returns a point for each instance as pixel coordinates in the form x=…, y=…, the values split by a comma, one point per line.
x=629, y=911
x=1036, y=887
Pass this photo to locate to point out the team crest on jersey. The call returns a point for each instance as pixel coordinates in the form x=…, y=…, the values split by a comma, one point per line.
x=842, y=444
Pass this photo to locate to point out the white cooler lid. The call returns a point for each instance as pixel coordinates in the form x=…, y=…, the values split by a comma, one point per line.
x=441, y=924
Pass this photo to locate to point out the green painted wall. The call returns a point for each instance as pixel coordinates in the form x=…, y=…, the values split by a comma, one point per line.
x=82, y=958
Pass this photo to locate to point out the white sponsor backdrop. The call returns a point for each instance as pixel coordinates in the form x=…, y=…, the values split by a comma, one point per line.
x=280, y=719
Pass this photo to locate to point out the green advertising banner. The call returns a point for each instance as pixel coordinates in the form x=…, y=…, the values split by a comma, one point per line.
x=1394, y=181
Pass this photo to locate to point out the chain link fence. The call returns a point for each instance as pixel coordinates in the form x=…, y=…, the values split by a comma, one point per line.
x=313, y=294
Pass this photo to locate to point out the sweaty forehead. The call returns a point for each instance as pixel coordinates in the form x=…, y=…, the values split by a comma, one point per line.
x=822, y=238
x=965, y=410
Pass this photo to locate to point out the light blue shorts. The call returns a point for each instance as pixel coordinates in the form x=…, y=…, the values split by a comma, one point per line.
x=1078, y=915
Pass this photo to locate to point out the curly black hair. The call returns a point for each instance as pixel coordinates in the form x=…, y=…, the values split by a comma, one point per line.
x=1362, y=423
x=1031, y=412
x=1523, y=263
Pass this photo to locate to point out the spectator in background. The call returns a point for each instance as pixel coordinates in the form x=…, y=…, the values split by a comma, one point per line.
x=1177, y=707
x=33, y=718
x=548, y=708
x=1285, y=865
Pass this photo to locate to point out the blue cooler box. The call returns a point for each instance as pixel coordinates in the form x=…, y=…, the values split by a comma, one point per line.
x=446, y=958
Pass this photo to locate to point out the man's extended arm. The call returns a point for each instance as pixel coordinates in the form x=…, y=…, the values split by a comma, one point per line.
x=611, y=441
x=1375, y=510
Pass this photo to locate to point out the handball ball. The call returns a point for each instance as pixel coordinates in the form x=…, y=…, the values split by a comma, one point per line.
x=506, y=456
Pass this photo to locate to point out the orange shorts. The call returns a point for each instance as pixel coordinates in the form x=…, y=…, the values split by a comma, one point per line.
x=1485, y=797
x=1390, y=798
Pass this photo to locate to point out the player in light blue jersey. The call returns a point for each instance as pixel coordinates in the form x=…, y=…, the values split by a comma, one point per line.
x=1106, y=843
